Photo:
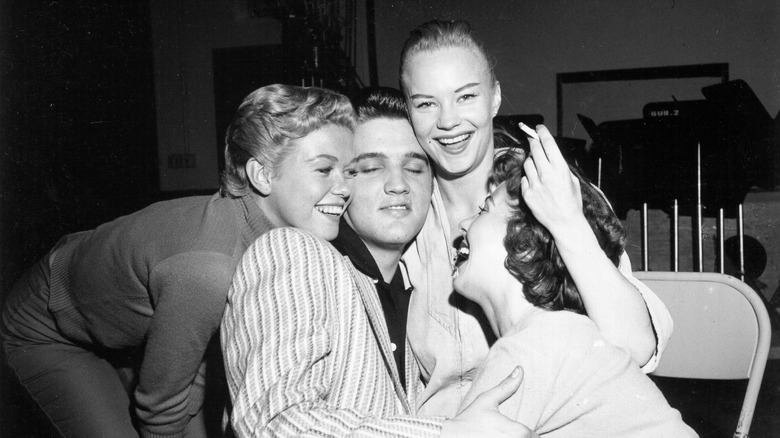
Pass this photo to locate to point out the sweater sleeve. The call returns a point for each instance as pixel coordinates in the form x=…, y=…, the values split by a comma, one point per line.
x=276, y=338
x=659, y=314
x=190, y=292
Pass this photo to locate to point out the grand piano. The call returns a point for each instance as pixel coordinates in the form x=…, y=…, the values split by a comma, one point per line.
x=655, y=159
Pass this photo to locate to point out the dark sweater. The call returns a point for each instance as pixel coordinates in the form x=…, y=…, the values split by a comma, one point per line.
x=158, y=278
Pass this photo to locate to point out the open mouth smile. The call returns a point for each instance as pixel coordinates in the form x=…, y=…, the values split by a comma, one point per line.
x=452, y=141
x=330, y=210
x=463, y=255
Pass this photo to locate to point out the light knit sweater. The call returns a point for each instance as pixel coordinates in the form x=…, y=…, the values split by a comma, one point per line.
x=575, y=384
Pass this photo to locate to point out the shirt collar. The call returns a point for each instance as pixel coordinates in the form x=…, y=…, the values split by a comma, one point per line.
x=349, y=244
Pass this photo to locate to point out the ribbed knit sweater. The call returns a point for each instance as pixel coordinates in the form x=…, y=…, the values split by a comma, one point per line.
x=157, y=278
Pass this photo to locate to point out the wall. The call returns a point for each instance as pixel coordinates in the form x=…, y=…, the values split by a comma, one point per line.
x=532, y=41
x=184, y=34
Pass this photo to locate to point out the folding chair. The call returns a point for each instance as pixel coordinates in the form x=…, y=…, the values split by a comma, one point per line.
x=721, y=331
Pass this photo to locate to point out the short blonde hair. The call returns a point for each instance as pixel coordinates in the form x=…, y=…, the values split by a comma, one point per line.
x=269, y=119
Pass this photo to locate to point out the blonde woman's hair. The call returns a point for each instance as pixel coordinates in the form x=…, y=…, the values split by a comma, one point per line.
x=269, y=120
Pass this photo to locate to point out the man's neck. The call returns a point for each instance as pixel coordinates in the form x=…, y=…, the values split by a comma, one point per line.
x=386, y=260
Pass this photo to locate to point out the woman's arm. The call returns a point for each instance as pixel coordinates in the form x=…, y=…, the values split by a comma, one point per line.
x=191, y=290
x=613, y=302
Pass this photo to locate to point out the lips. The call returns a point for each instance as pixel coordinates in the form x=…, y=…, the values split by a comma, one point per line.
x=330, y=210
x=454, y=141
x=402, y=206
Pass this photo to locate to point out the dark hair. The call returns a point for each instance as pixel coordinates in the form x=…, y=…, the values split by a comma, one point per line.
x=269, y=119
x=441, y=34
x=533, y=257
x=508, y=157
x=380, y=102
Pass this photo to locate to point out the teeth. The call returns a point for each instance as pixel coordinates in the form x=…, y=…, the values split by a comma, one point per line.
x=334, y=210
x=397, y=207
x=460, y=258
x=449, y=141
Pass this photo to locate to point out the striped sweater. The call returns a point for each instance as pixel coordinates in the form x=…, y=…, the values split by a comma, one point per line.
x=306, y=347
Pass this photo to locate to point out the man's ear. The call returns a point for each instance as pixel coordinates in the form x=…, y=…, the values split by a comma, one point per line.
x=496, y=98
x=259, y=176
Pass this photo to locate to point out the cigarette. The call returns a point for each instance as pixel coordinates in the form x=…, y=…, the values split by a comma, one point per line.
x=530, y=132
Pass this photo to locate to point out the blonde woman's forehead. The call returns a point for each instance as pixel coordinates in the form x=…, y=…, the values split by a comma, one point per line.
x=435, y=67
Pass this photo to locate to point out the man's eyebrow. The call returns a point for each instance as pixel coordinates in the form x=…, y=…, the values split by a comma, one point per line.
x=416, y=155
x=367, y=155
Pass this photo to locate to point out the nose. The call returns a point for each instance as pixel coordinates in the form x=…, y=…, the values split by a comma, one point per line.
x=448, y=117
x=396, y=183
x=465, y=224
x=342, y=186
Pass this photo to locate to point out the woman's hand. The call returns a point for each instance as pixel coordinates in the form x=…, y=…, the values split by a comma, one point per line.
x=550, y=189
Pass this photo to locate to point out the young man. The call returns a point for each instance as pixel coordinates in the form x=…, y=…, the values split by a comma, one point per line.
x=314, y=341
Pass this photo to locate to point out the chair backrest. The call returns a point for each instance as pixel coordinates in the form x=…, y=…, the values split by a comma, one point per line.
x=721, y=331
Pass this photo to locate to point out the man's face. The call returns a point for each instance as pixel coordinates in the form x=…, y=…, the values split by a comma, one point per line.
x=392, y=185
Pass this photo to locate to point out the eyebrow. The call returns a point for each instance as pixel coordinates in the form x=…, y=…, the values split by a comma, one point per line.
x=469, y=85
x=325, y=156
x=367, y=155
x=408, y=155
x=427, y=96
x=416, y=155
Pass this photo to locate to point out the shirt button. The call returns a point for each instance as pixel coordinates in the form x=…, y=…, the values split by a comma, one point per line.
x=375, y=280
x=392, y=346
